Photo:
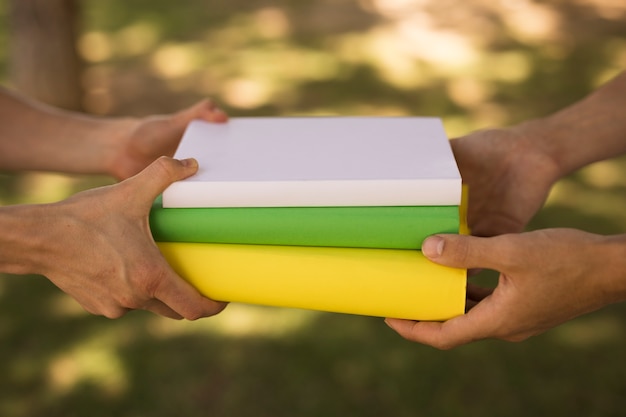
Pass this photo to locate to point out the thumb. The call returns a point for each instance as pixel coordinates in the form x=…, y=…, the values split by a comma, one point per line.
x=171, y=126
x=157, y=176
x=461, y=251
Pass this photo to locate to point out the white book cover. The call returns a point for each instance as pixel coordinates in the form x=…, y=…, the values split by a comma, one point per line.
x=317, y=161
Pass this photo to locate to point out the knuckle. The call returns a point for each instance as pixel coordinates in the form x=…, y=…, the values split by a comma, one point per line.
x=148, y=279
x=164, y=165
x=141, y=285
x=128, y=301
x=516, y=338
x=462, y=252
x=114, y=312
x=109, y=308
x=209, y=104
x=446, y=346
x=458, y=250
x=442, y=344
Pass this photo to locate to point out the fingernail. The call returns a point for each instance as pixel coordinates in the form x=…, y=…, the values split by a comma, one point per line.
x=189, y=162
x=433, y=247
x=217, y=114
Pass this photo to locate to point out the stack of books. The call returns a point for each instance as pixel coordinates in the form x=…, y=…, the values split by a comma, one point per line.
x=323, y=213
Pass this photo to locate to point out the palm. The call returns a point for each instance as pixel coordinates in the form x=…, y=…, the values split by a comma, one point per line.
x=151, y=137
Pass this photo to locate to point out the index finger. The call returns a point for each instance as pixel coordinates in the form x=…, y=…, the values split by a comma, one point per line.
x=446, y=335
x=184, y=299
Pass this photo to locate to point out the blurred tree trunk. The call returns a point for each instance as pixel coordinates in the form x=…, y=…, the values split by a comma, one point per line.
x=44, y=63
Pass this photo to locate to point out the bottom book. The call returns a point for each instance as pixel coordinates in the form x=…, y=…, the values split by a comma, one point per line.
x=373, y=282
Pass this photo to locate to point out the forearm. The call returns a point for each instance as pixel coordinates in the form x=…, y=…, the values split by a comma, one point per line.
x=34, y=136
x=590, y=130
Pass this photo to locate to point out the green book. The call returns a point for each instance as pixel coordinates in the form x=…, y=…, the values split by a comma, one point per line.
x=401, y=227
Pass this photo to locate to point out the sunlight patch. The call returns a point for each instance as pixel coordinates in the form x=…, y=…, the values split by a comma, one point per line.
x=604, y=174
x=246, y=93
x=240, y=321
x=511, y=67
x=63, y=306
x=136, y=39
x=93, y=363
x=174, y=60
x=45, y=187
x=272, y=23
x=531, y=22
x=95, y=46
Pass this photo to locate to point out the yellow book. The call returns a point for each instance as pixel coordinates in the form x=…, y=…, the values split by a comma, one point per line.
x=372, y=282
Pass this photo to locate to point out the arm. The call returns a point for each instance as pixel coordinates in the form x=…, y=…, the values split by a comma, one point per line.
x=510, y=171
x=590, y=130
x=97, y=247
x=34, y=136
x=546, y=278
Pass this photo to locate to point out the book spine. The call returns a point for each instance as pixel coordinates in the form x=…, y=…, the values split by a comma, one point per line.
x=357, y=227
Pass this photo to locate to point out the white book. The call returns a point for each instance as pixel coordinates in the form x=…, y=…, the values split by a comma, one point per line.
x=317, y=161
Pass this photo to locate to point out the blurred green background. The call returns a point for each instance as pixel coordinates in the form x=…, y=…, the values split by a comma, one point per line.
x=474, y=63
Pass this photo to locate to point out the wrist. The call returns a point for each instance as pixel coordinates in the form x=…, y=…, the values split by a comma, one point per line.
x=555, y=138
x=613, y=252
x=587, y=131
x=534, y=142
x=23, y=242
x=113, y=138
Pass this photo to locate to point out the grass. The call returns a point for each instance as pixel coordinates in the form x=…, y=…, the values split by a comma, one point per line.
x=58, y=361
x=340, y=57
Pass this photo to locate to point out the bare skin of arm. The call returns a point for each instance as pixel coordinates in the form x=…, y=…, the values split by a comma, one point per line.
x=34, y=136
x=96, y=245
x=510, y=171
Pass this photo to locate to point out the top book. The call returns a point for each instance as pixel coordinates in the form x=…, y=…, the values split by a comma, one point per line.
x=317, y=162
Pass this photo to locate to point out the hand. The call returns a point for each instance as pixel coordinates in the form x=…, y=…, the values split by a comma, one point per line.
x=144, y=140
x=546, y=278
x=99, y=249
x=508, y=178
